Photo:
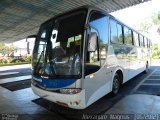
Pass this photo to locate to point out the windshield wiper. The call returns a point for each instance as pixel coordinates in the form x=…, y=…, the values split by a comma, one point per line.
x=36, y=67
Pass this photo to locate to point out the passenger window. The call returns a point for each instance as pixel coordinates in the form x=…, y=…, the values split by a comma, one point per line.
x=145, y=42
x=116, y=32
x=135, y=38
x=120, y=35
x=128, y=36
x=148, y=43
x=141, y=40
x=113, y=31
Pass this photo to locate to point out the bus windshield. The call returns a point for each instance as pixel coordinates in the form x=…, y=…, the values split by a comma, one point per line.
x=58, y=47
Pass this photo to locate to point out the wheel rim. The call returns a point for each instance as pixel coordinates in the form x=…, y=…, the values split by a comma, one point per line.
x=116, y=85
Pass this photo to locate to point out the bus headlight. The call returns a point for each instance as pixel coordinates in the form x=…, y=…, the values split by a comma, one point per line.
x=70, y=91
x=33, y=82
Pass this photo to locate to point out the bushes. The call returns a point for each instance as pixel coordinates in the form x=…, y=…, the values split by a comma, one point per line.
x=26, y=58
x=155, y=52
x=11, y=61
x=5, y=60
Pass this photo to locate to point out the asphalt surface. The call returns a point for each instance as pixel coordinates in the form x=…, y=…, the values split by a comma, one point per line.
x=141, y=84
x=20, y=72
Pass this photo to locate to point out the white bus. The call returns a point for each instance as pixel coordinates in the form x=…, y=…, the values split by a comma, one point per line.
x=82, y=55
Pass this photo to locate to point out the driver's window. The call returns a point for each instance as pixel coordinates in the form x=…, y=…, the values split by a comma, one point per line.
x=94, y=60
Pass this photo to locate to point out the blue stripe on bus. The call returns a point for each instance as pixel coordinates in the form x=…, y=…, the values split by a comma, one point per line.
x=54, y=83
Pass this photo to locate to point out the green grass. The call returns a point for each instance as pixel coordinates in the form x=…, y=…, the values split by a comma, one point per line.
x=11, y=64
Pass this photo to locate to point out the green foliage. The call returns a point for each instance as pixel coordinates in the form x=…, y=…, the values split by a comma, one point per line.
x=156, y=21
x=3, y=49
x=13, y=61
x=10, y=64
x=7, y=56
x=26, y=58
x=7, y=50
x=5, y=60
x=29, y=58
x=155, y=51
x=144, y=27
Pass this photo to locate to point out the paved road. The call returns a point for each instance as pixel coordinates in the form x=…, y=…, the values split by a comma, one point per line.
x=143, y=84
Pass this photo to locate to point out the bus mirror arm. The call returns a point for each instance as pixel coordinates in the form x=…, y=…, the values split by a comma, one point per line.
x=30, y=36
x=92, y=42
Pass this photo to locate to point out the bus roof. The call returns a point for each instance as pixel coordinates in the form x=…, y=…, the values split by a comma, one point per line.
x=90, y=8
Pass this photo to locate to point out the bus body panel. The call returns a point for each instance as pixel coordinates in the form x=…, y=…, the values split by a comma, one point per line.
x=76, y=101
x=97, y=85
x=52, y=84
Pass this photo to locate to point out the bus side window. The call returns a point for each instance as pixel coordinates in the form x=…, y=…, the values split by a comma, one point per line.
x=116, y=32
x=135, y=38
x=120, y=34
x=113, y=31
x=148, y=43
x=145, y=40
x=128, y=36
x=141, y=40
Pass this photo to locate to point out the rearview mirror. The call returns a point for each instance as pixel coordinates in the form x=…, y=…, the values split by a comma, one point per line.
x=31, y=36
x=92, y=42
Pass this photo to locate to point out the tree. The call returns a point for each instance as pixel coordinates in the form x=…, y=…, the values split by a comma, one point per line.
x=7, y=50
x=3, y=49
x=11, y=50
x=155, y=51
x=156, y=21
x=145, y=26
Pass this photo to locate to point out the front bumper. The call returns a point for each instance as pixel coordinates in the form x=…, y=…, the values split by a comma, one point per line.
x=76, y=101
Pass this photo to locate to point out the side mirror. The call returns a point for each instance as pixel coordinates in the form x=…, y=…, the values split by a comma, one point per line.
x=92, y=42
x=31, y=36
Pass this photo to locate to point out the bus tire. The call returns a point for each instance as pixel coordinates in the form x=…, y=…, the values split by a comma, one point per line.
x=116, y=84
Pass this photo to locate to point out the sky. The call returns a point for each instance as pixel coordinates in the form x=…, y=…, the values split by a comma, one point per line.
x=132, y=16
x=135, y=15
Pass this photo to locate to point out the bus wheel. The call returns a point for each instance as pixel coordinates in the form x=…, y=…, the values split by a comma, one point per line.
x=146, y=70
x=116, y=85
